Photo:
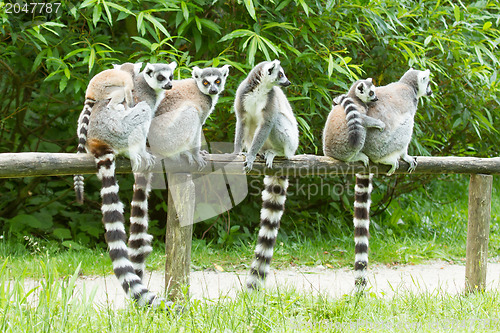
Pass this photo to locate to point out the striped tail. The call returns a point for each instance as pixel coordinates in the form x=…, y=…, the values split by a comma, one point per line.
x=362, y=202
x=273, y=205
x=83, y=124
x=139, y=242
x=355, y=128
x=115, y=235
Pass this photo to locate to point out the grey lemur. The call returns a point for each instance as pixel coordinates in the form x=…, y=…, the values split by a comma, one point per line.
x=115, y=85
x=113, y=130
x=177, y=127
x=345, y=129
x=265, y=124
x=396, y=108
x=175, y=130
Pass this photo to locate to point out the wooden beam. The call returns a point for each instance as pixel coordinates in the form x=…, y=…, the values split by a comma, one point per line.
x=181, y=201
x=478, y=232
x=58, y=164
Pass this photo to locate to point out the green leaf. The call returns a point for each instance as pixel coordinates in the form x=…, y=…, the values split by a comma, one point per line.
x=487, y=25
x=62, y=233
x=185, y=10
x=456, y=12
x=143, y=41
x=96, y=15
x=250, y=8
x=157, y=24
x=211, y=25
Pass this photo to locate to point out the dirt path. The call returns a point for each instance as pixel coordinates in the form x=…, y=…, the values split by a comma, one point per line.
x=384, y=281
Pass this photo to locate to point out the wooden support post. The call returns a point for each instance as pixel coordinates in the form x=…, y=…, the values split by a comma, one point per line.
x=179, y=233
x=478, y=232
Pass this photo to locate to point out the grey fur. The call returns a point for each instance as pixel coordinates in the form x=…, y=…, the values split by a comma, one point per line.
x=345, y=129
x=177, y=128
x=265, y=122
x=396, y=107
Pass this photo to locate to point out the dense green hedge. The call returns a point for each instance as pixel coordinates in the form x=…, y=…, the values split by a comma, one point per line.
x=46, y=62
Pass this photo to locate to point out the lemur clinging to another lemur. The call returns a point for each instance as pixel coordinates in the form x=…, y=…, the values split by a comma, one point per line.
x=115, y=85
x=396, y=107
x=175, y=131
x=345, y=129
x=113, y=130
x=265, y=124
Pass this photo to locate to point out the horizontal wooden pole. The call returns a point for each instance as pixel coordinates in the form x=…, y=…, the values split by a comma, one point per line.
x=58, y=164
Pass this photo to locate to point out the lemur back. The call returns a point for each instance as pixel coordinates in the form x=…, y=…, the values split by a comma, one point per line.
x=175, y=130
x=396, y=107
x=113, y=130
x=113, y=85
x=345, y=129
x=265, y=124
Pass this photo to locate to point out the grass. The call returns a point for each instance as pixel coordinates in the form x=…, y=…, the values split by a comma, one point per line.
x=418, y=227
x=56, y=306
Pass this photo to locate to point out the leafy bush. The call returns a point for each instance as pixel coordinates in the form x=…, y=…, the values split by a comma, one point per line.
x=47, y=61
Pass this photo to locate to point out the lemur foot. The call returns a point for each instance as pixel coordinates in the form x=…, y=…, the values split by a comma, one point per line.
x=201, y=161
x=394, y=167
x=269, y=157
x=249, y=162
x=413, y=165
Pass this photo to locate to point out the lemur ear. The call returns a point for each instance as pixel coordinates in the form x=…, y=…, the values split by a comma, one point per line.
x=369, y=80
x=196, y=72
x=271, y=69
x=137, y=68
x=225, y=70
x=173, y=65
x=361, y=87
x=149, y=70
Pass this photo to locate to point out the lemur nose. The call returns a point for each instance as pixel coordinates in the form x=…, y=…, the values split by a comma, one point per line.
x=168, y=86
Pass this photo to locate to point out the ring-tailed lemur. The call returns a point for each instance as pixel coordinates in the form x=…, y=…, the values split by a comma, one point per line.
x=124, y=130
x=115, y=85
x=345, y=129
x=265, y=123
x=175, y=130
x=396, y=107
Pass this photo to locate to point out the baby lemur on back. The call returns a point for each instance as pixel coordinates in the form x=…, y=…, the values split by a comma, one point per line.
x=345, y=129
x=113, y=85
x=265, y=124
x=116, y=129
x=396, y=108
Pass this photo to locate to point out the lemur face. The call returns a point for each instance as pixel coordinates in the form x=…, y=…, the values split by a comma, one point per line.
x=276, y=74
x=365, y=91
x=424, y=83
x=211, y=80
x=160, y=76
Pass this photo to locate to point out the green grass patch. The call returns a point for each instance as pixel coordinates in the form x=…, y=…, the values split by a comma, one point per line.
x=56, y=306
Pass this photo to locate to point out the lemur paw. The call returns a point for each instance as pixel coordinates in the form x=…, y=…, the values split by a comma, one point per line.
x=394, y=167
x=413, y=165
x=149, y=161
x=201, y=161
x=381, y=126
x=249, y=162
x=269, y=156
x=204, y=152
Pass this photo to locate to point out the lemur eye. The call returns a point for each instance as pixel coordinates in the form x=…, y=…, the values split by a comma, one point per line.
x=205, y=83
x=280, y=75
x=160, y=78
x=171, y=77
x=371, y=93
x=217, y=81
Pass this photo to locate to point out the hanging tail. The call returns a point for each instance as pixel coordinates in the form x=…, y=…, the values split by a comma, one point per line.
x=362, y=202
x=113, y=220
x=139, y=242
x=273, y=205
x=83, y=124
x=355, y=129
